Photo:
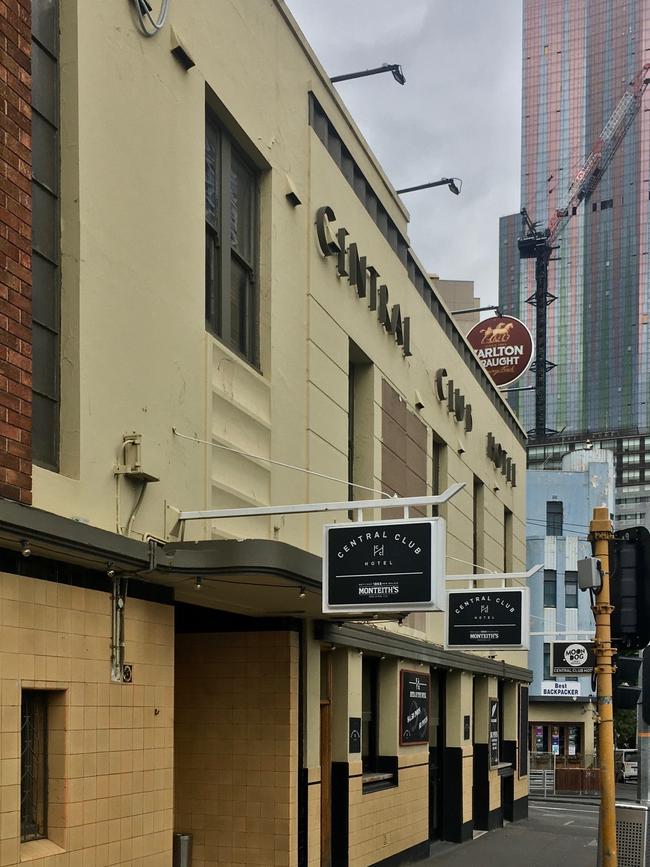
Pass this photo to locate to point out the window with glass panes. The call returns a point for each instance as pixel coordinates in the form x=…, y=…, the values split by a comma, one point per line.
x=231, y=231
x=571, y=589
x=550, y=588
x=46, y=235
x=554, y=516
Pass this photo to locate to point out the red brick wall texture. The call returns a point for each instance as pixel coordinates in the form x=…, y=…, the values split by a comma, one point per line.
x=15, y=252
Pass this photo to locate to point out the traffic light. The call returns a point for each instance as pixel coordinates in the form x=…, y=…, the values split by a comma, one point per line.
x=629, y=554
x=625, y=679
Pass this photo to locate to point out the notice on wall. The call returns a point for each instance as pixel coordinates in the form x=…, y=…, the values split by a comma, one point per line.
x=414, y=707
x=494, y=732
x=384, y=566
x=487, y=619
x=354, y=734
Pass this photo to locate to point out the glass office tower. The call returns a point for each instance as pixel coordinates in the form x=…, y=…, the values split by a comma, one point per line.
x=578, y=58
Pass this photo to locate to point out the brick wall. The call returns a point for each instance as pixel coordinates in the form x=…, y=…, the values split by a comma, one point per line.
x=15, y=252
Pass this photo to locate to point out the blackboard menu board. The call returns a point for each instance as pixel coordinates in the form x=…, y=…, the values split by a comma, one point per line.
x=415, y=689
x=494, y=732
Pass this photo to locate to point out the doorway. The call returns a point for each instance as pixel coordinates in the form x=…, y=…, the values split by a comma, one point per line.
x=436, y=752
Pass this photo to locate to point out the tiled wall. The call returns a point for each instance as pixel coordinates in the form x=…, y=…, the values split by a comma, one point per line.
x=387, y=822
x=110, y=744
x=236, y=747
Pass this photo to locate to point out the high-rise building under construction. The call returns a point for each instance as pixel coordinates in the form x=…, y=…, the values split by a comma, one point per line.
x=578, y=59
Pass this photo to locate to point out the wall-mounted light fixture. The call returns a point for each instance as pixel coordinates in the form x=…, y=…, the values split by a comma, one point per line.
x=454, y=187
x=394, y=68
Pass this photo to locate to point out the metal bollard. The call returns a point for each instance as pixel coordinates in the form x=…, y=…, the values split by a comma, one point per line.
x=182, y=856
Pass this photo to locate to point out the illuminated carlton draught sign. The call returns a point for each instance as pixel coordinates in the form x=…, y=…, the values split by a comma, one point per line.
x=384, y=566
x=504, y=346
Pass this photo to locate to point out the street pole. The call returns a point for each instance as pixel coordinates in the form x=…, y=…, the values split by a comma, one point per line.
x=600, y=533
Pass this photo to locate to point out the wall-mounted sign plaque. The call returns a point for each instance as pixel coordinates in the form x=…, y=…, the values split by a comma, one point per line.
x=414, y=708
x=487, y=619
x=384, y=566
x=573, y=657
x=504, y=346
x=354, y=734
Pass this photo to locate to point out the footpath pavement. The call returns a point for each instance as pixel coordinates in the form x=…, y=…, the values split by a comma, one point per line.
x=554, y=834
x=560, y=830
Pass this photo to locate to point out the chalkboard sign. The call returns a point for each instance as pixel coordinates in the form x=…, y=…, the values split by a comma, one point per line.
x=414, y=708
x=384, y=566
x=494, y=732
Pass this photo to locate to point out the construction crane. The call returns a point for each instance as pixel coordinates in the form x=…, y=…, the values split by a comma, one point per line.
x=539, y=243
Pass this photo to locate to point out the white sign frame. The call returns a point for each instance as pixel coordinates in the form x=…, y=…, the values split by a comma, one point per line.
x=437, y=597
x=495, y=648
x=562, y=689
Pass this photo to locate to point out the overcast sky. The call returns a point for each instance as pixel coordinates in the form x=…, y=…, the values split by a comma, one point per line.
x=459, y=114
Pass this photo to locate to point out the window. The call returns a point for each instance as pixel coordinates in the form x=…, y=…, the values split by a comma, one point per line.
x=361, y=408
x=547, y=662
x=477, y=522
x=550, y=588
x=369, y=713
x=508, y=536
x=571, y=589
x=33, y=766
x=438, y=471
x=554, y=515
x=46, y=235
x=231, y=230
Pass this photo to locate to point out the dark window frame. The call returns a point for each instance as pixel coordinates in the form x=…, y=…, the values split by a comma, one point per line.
x=550, y=581
x=570, y=584
x=235, y=325
x=46, y=239
x=34, y=777
x=554, y=517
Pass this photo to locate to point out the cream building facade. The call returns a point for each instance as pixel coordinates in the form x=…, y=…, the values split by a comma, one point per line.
x=240, y=322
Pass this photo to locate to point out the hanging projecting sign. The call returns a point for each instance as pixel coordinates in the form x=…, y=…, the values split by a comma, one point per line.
x=573, y=657
x=504, y=346
x=384, y=566
x=487, y=619
x=414, y=708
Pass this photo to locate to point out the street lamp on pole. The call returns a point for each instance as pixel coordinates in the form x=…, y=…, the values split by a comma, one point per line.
x=454, y=187
x=394, y=68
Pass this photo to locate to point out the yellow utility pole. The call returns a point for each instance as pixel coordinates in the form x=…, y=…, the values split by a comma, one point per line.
x=600, y=533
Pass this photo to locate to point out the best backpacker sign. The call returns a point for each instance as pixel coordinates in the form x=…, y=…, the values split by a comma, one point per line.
x=487, y=619
x=384, y=566
x=573, y=657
